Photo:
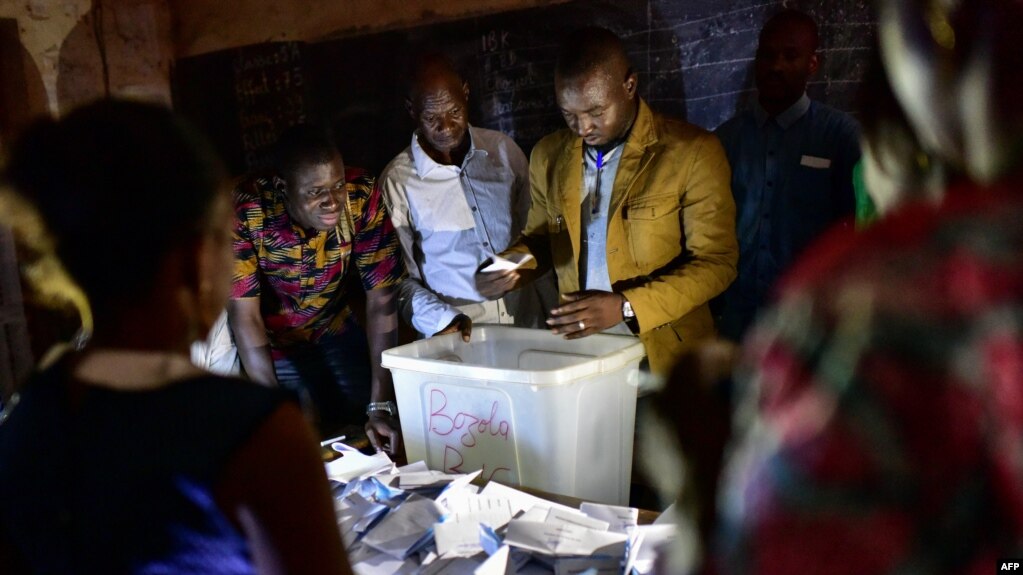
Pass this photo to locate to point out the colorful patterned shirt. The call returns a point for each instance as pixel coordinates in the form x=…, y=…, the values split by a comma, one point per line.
x=885, y=411
x=298, y=274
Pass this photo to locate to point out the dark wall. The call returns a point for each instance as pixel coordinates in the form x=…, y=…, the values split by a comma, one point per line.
x=694, y=59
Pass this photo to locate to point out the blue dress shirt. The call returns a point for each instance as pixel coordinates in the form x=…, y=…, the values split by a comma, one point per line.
x=593, y=248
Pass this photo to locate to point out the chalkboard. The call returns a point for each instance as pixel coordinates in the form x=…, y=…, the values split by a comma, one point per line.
x=693, y=58
x=269, y=84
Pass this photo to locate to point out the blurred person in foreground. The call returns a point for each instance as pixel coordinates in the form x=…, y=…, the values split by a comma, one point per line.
x=881, y=426
x=124, y=457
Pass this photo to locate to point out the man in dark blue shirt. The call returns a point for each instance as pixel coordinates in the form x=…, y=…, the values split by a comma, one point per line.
x=792, y=161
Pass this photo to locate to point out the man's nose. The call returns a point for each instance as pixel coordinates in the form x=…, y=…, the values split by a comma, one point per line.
x=332, y=200
x=583, y=126
x=445, y=125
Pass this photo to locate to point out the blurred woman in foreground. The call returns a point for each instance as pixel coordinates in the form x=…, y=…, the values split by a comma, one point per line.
x=886, y=399
x=124, y=458
x=879, y=427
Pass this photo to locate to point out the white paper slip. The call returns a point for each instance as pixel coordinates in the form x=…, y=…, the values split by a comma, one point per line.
x=458, y=487
x=619, y=519
x=538, y=514
x=560, y=540
x=390, y=477
x=494, y=511
x=496, y=564
x=647, y=540
x=417, y=479
x=368, y=561
x=359, y=513
x=520, y=500
x=815, y=162
x=562, y=517
x=353, y=464
x=512, y=262
x=457, y=538
x=413, y=467
x=403, y=529
x=667, y=517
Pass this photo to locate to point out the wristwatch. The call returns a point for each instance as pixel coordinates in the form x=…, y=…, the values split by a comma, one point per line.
x=387, y=406
x=629, y=316
x=627, y=312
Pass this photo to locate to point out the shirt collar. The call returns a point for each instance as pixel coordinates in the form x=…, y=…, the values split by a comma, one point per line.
x=425, y=164
x=786, y=118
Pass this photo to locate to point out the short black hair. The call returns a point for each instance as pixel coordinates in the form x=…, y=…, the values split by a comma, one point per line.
x=799, y=18
x=302, y=145
x=588, y=49
x=119, y=184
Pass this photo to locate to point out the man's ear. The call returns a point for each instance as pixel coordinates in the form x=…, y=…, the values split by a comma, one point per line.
x=465, y=90
x=631, y=82
x=815, y=62
x=410, y=108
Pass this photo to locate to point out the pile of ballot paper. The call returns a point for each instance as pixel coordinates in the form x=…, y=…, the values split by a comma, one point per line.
x=413, y=520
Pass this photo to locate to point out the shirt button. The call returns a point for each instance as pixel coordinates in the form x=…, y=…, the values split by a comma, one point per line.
x=486, y=244
x=474, y=208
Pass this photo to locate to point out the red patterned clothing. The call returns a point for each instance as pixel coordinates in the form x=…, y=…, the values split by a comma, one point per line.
x=298, y=274
x=885, y=410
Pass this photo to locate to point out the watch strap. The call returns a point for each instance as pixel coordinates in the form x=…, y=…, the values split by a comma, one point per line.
x=388, y=406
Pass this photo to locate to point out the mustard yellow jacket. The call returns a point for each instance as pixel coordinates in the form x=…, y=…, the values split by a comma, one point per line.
x=671, y=243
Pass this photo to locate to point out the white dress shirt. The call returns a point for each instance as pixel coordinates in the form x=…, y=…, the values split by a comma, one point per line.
x=449, y=220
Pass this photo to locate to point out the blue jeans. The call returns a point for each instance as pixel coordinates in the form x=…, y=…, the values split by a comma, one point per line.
x=331, y=376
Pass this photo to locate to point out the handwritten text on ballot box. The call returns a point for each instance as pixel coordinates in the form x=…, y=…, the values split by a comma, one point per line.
x=523, y=406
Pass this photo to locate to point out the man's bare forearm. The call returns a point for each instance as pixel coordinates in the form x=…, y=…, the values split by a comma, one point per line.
x=382, y=334
x=250, y=337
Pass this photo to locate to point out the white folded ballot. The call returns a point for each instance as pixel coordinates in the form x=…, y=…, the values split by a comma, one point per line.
x=512, y=262
x=416, y=521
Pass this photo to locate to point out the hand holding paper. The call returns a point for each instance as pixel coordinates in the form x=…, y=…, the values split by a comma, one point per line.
x=503, y=274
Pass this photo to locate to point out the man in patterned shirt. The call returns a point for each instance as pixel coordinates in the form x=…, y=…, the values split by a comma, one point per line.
x=298, y=231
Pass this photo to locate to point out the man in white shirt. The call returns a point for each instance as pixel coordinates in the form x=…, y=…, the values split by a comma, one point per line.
x=457, y=195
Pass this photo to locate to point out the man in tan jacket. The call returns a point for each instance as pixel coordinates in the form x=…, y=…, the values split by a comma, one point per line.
x=632, y=210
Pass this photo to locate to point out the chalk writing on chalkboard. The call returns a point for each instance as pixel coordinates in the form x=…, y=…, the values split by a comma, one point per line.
x=471, y=430
x=516, y=84
x=694, y=60
x=269, y=85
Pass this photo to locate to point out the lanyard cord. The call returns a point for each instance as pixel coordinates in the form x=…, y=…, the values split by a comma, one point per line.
x=600, y=161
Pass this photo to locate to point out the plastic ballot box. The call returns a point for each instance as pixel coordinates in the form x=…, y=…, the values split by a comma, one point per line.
x=525, y=406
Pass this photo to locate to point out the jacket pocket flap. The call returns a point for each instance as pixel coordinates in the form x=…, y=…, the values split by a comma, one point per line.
x=651, y=211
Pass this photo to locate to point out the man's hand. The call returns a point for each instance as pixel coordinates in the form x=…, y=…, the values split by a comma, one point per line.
x=493, y=285
x=461, y=323
x=586, y=313
x=384, y=433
